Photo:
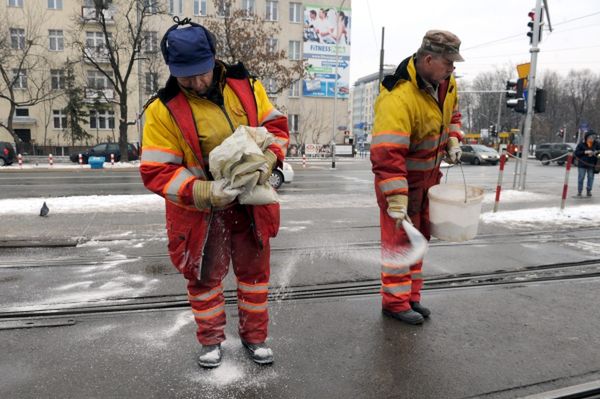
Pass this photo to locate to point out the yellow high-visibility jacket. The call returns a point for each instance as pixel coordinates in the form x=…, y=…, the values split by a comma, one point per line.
x=411, y=131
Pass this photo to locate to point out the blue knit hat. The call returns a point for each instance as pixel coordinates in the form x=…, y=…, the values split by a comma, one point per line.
x=189, y=51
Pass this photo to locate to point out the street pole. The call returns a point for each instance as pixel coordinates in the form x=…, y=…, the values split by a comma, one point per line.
x=534, y=50
x=334, y=127
x=381, y=58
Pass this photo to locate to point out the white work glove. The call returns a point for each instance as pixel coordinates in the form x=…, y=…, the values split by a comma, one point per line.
x=213, y=193
x=397, y=207
x=453, y=150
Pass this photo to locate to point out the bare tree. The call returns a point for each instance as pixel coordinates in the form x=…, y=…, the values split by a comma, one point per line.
x=580, y=87
x=24, y=77
x=124, y=27
x=314, y=124
x=244, y=36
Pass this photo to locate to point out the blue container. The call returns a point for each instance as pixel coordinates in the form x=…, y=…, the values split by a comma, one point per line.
x=96, y=162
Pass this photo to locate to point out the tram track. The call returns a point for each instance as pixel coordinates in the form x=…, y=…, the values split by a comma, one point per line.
x=531, y=275
x=546, y=236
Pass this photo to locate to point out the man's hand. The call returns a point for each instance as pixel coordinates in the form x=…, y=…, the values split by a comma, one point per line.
x=589, y=153
x=213, y=193
x=262, y=163
x=453, y=150
x=266, y=173
x=397, y=207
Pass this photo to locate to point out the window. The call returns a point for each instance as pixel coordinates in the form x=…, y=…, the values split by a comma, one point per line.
x=296, y=12
x=272, y=45
x=95, y=39
x=57, y=40
x=55, y=4
x=151, y=6
x=294, y=50
x=223, y=8
x=20, y=78
x=15, y=3
x=97, y=80
x=248, y=7
x=271, y=14
x=22, y=112
x=59, y=119
x=102, y=119
x=270, y=85
x=57, y=79
x=295, y=89
x=151, y=83
x=293, y=122
x=17, y=38
x=176, y=7
x=200, y=7
x=150, y=42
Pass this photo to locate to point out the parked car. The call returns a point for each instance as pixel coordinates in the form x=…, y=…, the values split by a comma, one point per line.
x=104, y=150
x=548, y=151
x=477, y=154
x=7, y=153
x=282, y=175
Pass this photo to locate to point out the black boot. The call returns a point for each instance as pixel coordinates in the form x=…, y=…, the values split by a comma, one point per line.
x=260, y=353
x=589, y=193
x=407, y=316
x=417, y=307
x=210, y=356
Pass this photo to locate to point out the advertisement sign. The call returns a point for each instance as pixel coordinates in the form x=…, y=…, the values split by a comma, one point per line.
x=317, y=150
x=326, y=51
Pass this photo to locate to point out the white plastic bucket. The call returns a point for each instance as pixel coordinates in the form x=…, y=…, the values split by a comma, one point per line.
x=452, y=218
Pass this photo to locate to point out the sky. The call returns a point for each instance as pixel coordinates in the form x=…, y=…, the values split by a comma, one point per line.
x=480, y=24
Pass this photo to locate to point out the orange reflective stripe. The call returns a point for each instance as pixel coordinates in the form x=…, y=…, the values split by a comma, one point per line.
x=209, y=313
x=206, y=296
x=254, y=288
x=252, y=307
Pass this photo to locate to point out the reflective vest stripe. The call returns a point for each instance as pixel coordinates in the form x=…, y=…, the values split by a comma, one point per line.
x=394, y=289
x=161, y=156
x=206, y=295
x=391, y=138
x=252, y=307
x=270, y=115
x=197, y=171
x=253, y=288
x=394, y=184
x=417, y=276
x=421, y=164
x=209, y=313
x=180, y=178
x=429, y=144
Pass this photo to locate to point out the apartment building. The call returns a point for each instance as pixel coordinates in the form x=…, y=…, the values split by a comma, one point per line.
x=57, y=33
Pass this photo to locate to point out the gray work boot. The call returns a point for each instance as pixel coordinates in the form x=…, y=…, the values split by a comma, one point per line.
x=210, y=356
x=407, y=316
x=260, y=353
x=417, y=307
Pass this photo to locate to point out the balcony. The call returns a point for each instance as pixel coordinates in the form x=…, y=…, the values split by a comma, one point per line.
x=92, y=14
x=99, y=54
x=98, y=95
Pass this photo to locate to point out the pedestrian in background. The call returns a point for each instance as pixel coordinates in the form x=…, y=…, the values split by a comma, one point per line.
x=202, y=104
x=586, y=155
x=417, y=124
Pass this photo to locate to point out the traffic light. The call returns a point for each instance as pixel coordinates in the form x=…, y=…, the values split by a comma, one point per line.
x=493, y=132
x=514, y=95
x=561, y=133
x=539, y=105
x=531, y=25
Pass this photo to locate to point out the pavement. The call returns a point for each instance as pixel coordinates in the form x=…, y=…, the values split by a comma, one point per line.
x=523, y=337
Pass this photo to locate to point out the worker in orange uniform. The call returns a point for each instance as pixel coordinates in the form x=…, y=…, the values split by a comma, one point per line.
x=202, y=104
x=417, y=125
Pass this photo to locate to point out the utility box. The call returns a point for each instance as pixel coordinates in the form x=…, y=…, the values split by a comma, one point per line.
x=96, y=162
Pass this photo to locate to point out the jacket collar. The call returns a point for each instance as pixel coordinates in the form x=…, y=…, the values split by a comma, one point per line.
x=406, y=71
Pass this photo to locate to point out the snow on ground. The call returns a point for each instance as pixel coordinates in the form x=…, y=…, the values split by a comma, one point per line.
x=58, y=166
x=572, y=214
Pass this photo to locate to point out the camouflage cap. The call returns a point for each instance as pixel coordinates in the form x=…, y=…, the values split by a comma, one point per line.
x=444, y=43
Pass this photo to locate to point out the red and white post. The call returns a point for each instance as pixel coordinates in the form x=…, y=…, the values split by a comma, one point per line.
x=50, y=160
x=304, y=160
x=20, y=160
x=500, y=175
x=81, y=160
x=566, y=185
x=112, y=159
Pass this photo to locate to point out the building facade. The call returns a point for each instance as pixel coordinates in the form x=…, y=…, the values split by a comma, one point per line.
x=47, y=41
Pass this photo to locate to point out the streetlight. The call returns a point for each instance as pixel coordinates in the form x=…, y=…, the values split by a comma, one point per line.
x=335, y=90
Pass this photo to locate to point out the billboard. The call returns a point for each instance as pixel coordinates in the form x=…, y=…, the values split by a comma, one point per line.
x=326, y=50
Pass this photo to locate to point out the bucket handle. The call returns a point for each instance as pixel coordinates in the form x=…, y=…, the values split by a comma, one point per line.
x=463, y=176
